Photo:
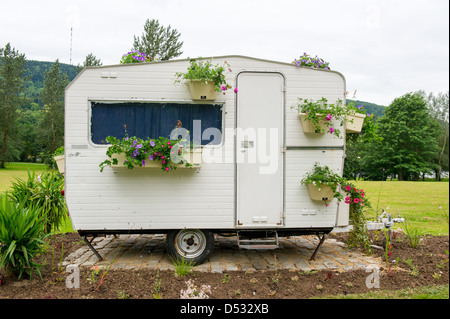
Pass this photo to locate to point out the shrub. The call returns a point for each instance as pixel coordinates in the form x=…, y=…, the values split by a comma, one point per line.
x=21, y=236
x=45, y=191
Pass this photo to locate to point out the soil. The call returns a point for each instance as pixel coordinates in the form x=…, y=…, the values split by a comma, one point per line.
x=430, y=260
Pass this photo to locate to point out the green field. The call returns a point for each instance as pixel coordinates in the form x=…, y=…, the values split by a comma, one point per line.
x=17, y=170
x=20, y=170
x=425, y=205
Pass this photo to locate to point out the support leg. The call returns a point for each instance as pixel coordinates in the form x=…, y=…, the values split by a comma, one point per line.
x=92, y=248
x=318, y=246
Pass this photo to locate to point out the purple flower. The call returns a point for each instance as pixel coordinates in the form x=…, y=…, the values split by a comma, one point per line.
x=150, y=157
x=143, y=163
x=360, y=107
x=152, y=143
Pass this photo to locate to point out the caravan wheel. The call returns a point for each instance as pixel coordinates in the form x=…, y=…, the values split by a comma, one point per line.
x=193, y=245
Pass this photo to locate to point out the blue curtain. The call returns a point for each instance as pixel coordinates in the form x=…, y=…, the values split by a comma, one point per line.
x=151, y=120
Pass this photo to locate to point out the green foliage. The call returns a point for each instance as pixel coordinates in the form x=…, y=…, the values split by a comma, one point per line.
x=12, y=79
x=206, y=71
x=356, y=198
x=158, y=42
x=21, y=236
x=52, y=125
x=408, y=142
x=134, y=57
x=323, y=175
x=306, y=60
x=182, y=266
x=90, y=60
x=321, y=113
x=44, y=191
x=138, y=151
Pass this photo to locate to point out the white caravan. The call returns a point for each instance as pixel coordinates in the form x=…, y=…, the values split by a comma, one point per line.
x=253, y=154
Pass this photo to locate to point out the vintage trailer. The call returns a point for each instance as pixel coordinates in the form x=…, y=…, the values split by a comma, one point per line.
x=253, y=154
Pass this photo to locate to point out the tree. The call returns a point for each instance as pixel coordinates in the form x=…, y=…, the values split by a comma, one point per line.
x=91, y=60
x=12, y=80
x=158, y=42
x=439, y=109
x=52, y=123
x=408, y=143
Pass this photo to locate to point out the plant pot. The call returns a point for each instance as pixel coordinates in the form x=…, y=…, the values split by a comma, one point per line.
x=354, y=123
x=309, y=127
x=60, y=163
x=202, y=90
x=322, y=193
x=193, y=156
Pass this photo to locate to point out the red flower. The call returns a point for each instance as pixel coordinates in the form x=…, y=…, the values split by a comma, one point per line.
x=62, y=192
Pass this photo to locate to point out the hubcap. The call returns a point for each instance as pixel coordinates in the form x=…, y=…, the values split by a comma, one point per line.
x=190, y=243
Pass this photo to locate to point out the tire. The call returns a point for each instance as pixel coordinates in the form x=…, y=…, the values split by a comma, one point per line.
x=192, y=245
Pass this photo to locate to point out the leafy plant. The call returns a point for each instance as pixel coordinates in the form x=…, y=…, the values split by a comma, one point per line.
x=21, y=236
x=359, y=235
x=323, y=175
x=414, y=271
x=157, y=294
x=413, y=235
x=206, y=71
x=138, y=152
x=46, y=191
x=135, y=57
x=182, y=266
x=321, y=113
x=317, y=63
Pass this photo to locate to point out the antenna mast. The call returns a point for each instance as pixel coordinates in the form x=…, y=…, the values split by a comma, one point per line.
x=71, y=44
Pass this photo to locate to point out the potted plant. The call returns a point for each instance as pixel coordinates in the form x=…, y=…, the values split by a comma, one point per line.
x=204, y=79
x=323, y=183
x=354, y=118
x=318, y=117
x=306, y=60
x=133, y=152
x=135, y=57
x=58, y=156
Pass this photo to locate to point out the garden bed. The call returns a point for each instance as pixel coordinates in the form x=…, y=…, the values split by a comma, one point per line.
x=430, y=261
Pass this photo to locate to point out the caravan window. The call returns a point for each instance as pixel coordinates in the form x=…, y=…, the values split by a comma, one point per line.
x=152, y=120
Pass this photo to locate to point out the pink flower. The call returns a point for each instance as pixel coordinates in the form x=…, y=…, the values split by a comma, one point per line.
x=168, y=143
x=167, y=168
x=224, y=88
x=328, y=117
x=348, y=188
x=356, y=200
x=348, y=200
x=331, y=130
x=235, y=90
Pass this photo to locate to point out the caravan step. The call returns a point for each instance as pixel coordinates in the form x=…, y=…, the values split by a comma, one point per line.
x=268, y=242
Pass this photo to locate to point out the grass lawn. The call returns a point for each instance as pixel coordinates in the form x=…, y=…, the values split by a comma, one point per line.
x=20, y=170
x=17, y=170
x=418, y=202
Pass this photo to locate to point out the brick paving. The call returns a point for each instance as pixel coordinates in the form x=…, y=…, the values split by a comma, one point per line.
x=294, y=253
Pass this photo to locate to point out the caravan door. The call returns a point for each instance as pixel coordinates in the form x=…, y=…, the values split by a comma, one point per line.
x=259, y=149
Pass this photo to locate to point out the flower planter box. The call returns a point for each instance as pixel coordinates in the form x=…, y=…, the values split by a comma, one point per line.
x=323, y=193
x=308, y=126
x=201, y=90
x=354, y=123
x=194, y=157
x=60, y=163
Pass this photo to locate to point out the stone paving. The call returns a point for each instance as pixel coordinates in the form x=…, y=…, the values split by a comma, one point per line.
x=294, y=253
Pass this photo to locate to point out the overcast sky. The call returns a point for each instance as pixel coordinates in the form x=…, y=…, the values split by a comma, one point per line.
x=384, y=49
